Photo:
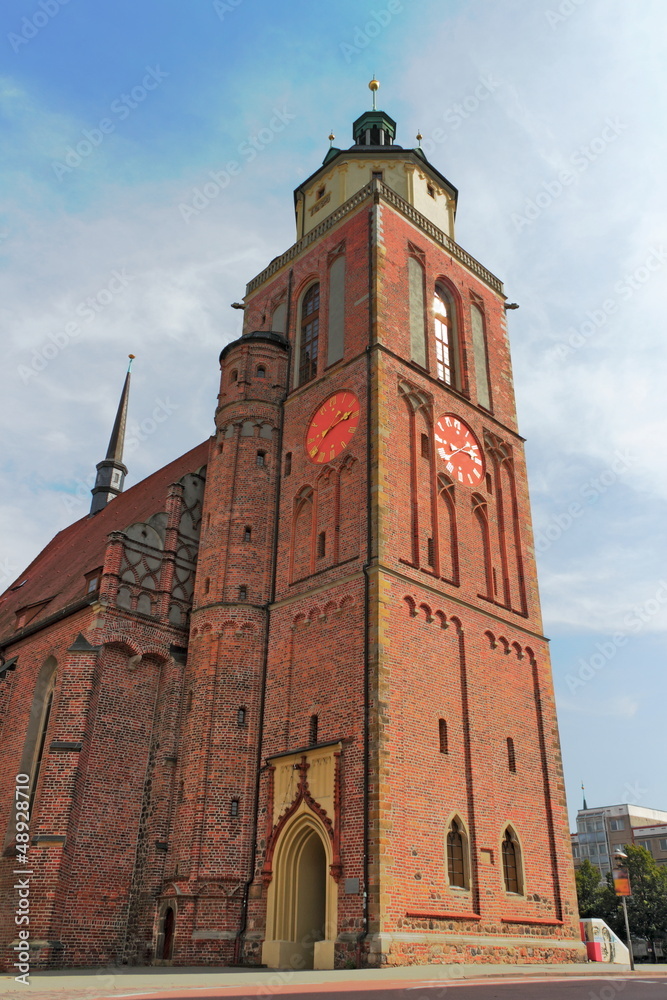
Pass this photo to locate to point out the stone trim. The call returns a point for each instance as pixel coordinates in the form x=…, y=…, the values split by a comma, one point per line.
x=378, y=188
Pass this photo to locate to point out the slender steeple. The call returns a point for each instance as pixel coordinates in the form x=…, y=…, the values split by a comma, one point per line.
x=111, y=472
x=584, y=791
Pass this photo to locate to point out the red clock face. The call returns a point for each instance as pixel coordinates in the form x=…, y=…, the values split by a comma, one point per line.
x=459, y=449
x=332, y=427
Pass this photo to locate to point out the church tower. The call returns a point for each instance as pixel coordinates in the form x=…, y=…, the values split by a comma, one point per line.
x=409, y=804
x=302, y=666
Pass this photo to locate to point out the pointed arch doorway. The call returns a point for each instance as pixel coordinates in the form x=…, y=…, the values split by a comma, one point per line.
x=302, y=898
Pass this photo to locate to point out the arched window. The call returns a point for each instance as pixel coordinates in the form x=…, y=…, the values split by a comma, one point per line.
x=309, y=334
x=41, y=740
x=479, y=356
x=444, y=319
x=233, y=375
x=456, y=860
x=511, y=862
x=261, y=371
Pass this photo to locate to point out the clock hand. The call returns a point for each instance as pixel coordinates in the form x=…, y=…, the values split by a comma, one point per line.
x=345, y=416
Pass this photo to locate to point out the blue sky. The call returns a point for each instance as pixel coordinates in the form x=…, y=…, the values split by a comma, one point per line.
x=546, y=114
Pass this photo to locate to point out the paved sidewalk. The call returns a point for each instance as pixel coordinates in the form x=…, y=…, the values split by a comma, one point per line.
x=95, y=984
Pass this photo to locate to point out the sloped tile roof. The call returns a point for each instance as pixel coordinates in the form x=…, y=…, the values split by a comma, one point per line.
x=57, y=574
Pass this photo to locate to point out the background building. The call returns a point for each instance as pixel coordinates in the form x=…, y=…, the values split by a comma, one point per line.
x=288, y=700
x=607, y=828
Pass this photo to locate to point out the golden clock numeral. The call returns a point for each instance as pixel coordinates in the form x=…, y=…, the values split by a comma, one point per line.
x=343, y=444
x=332, y=453
x=313, y=452
x=320, y=458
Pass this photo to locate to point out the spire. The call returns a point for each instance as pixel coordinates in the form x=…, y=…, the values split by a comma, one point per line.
x=584, y=791
x=111, y=472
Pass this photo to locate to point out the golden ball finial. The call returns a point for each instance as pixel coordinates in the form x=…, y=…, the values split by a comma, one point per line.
x=331, y=137
x=131, y=357
x=419, y=136
x=374, y=84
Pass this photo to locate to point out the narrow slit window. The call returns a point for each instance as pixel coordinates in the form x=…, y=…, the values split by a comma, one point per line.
x=233, y=375
x=247, y=534
x=321, y=545
x=234, y=807
x=261, y=459
x=430, y=552
x=288, y=464
x=243, y=593
x=511, y=755
x=426, y=446
x=241, y=717
x=442, y=736
x=312, y=731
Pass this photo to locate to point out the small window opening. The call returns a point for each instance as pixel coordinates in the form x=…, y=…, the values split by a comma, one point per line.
x=442, y=734
x=495, y=581
x=93, y=585
x=261, y=458
x=233, y=375
x=314, y=723
x=455, y=857
x=190, y=697
x=247, y=534
x=181, y=791
x=426, y=446
x=243, y=592
x=489, y=483
x=430, y=552
x=240, y=717
x=511, y=863
x=207, y=585
x=261, y=371
x=234, y=807
x=321, y=545
x=377, y=175
x=431, y=190
x=288, y=463
x=220, y=448
x=320, y=192
x=511, y=756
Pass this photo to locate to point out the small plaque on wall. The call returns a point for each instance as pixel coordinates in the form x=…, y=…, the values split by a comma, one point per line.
x=352, y=886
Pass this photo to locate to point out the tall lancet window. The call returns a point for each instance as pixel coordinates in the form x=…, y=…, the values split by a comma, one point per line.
x=310, y=331
x=445, y=336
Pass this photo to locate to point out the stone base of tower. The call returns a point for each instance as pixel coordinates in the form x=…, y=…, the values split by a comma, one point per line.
x=385, y=950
